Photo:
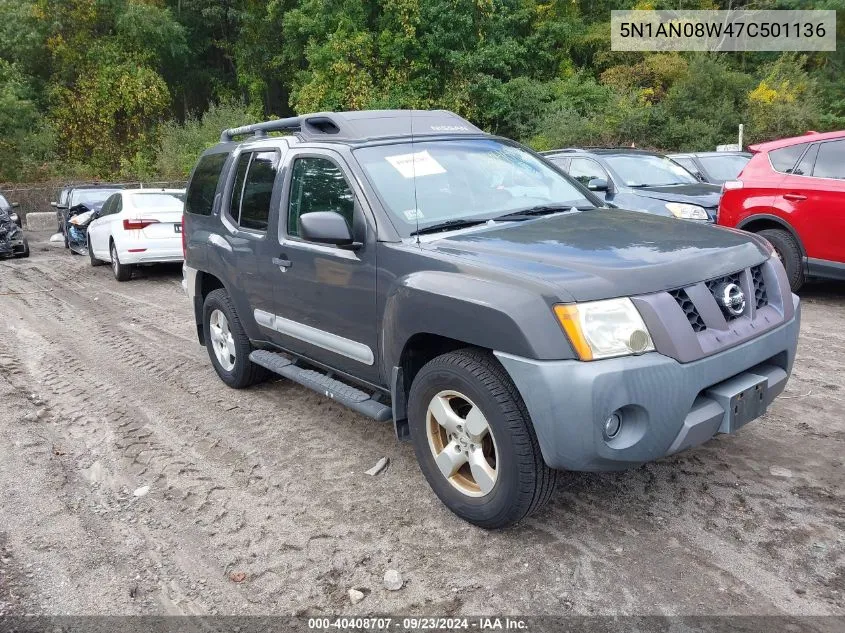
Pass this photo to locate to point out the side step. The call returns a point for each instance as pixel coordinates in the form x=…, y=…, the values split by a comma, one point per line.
x=346, y=395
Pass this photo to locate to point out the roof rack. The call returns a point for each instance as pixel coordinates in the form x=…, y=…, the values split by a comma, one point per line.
x=360, y=125
x=261, y=129
x=561, y=151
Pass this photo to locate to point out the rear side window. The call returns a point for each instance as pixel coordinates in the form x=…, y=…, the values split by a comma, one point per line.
x=584, y=170
x=831, y=160
x=784, y=159
x=805, y=166
x=317, y=184
x=252, y=189
x=200, y=195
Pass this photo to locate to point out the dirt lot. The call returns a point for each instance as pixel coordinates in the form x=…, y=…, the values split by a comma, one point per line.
x=104, y=392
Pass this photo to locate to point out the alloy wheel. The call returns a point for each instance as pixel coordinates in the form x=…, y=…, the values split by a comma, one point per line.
x=462, y=443
x=222, y=340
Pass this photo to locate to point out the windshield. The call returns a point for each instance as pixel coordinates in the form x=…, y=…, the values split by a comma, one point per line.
x=158, y=201
x=647, y=170
x=462, y=180
x=725, y=167
x=90, y=196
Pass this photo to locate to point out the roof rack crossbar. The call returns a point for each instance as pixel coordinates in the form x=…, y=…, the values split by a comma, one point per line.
x=261, y=129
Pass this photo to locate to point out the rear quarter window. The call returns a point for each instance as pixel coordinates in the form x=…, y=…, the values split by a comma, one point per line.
x=784, y=159
x=199, y=198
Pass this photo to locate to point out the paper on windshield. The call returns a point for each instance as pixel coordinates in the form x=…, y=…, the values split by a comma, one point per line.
x=417, y=164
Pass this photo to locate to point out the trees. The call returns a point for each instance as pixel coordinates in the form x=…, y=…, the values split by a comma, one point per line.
x=106, y=87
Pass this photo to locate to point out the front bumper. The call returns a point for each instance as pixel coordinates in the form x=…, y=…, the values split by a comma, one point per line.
x=665, y=406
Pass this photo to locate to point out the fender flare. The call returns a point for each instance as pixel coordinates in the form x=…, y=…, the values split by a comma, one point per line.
x=480, y=312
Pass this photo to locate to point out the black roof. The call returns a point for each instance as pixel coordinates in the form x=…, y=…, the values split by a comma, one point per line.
x=359, y=126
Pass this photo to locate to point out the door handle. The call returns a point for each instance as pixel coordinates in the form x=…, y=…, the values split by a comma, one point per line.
x=281, y=263
x=794, y=197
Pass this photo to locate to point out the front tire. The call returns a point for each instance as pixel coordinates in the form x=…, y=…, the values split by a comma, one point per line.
x=789, y=253
x=227, y=343
x=94, y=260
x=475, y=442
x=122, y=272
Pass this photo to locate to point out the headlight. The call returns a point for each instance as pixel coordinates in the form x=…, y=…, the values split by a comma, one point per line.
x=601, y=329
x=687, y=211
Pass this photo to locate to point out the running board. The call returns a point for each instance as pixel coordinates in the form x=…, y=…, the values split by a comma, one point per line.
x=346, y=395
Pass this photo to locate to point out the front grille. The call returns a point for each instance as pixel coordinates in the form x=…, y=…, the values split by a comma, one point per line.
x=713, y=284
x=760, y=297
x=686, y=304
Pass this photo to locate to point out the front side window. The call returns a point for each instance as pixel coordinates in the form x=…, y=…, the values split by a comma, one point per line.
x=584, y=170
x=199, y=199
x=648, y=170
x=318, y=184
x=429, y=182
x=784, y=159
x=831, y=160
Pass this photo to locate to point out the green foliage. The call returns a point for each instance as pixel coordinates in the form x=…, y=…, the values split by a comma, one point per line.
x=137, y=88
x=25, y=139
x=181, y=143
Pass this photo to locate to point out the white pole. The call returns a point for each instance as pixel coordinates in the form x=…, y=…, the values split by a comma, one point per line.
x=741, y=128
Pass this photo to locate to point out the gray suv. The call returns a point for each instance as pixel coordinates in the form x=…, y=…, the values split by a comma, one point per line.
x=419, y=271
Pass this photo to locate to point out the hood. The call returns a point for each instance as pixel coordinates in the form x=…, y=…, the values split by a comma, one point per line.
x=700, y=193
x=605, y=253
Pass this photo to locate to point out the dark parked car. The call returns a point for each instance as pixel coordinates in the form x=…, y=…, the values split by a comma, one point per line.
x=792, y=192
x=641, y=181
x=13, y=242
x=9, y=208
x=713, y=167
x=72, y=197
x=415, y=269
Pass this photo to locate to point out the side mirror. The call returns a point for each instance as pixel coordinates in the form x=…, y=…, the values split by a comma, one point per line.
x=53, y=203
x=326, y=227
x=597, y=184
x=15, y=205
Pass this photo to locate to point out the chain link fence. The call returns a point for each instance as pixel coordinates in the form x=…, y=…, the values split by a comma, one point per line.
x=36, y=197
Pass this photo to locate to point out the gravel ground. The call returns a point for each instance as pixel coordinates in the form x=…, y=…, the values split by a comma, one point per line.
x=134, y=482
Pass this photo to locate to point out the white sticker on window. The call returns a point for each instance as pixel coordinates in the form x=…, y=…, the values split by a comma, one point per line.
x=413, y=214
x=418, y=164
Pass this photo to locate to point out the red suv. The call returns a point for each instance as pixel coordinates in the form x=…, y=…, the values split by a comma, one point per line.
x=792, y=192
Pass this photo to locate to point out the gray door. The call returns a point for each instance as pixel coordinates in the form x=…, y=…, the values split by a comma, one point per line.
x=251, y=245
x=324, y=295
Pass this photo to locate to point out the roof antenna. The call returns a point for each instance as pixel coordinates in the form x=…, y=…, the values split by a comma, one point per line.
x=414, y=175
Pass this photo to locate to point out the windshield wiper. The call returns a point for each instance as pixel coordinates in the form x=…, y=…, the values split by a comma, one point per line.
x=450, y=225
x=543, y=209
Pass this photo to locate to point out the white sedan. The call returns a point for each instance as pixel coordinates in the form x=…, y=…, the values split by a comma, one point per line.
x=137, y=226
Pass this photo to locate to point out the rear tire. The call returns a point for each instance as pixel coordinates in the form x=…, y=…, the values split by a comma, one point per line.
x=122, y=272
x=240, y=372
x=521, y=481
x=94, y=260
x=789, y=253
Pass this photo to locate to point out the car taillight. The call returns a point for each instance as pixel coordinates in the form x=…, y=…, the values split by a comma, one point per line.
x=184, y=239
x=732, y=184
x=134, y=225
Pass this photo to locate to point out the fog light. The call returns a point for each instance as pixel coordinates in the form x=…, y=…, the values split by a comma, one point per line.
x=612, y=425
